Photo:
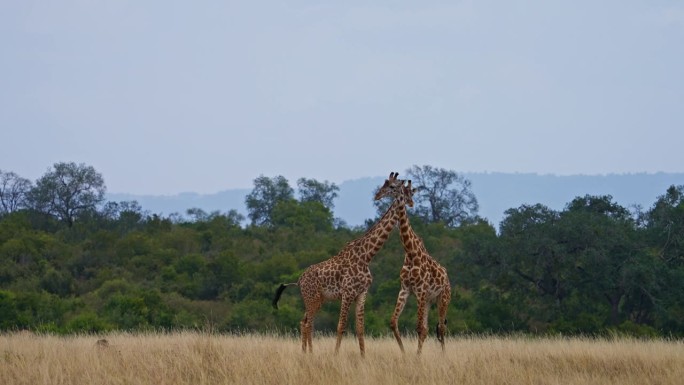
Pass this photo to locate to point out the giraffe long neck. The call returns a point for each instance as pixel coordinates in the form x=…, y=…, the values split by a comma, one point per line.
x=376, y=236
x=409, y=239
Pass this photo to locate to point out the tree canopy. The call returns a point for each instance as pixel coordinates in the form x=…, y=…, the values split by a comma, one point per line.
x=311, y=190
x=267, y=193
x=14, y=191
x=593, y=268
x=442, y=195
x=67, y=191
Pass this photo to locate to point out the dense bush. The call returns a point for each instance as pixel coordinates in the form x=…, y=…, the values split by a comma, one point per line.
x=592, y=268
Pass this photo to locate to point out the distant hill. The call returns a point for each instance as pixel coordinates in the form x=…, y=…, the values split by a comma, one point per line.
x=495, y=192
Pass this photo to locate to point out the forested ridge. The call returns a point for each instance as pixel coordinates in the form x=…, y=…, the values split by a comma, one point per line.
x=72, y=262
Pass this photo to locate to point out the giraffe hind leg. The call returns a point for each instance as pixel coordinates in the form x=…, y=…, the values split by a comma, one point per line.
x=303, y=331
x=444, y=300
x=360, y=304
x=309, y=337
x=394, y=322
x=307, y=324
x=440, y=332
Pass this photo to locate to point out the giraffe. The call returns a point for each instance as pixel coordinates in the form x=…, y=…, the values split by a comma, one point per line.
x=346, y=276
x=421, y=275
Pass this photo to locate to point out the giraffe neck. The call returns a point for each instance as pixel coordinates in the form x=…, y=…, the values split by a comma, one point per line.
x=409, y=239
x=376, y=236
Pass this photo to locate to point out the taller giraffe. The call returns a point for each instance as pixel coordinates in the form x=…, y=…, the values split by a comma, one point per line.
x=423, y=276
x=346, y=276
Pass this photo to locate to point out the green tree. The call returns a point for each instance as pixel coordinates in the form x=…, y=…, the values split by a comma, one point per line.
x=530, y=267
x=665, y=226
x=578, y=269
x=476, y=255
x=442, y=195
x=599, y=237
x=311, y=190
x=13, y=192
x=128, y=216
x=232, y=217
x=56, y=282
x=664, y=231
x=197, y=215
x=309, y=215
x=67, y=191
x=265, y=196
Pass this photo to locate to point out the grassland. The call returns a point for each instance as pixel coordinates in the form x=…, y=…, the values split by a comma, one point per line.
x=198, y=358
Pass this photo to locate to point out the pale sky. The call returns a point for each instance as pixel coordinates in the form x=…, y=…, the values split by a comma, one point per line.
x=163, y=97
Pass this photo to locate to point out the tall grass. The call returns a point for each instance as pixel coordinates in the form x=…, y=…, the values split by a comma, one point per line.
x=199, y=358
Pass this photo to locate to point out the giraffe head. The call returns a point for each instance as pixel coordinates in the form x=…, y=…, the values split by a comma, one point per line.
x=408, y=193
x=392, y=187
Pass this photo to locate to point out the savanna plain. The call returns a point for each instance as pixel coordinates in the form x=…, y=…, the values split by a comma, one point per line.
x=206, y=358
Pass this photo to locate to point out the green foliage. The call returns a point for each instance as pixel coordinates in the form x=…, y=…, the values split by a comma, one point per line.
x=631, y=329
x=87, y=322
x=442, y=196
x=9, y=315
x=305, y=217
x=592, y=268
x=68, y=191
x=56, y=282
x=267, y=193
x=14, y=192
x=311, y=190
x=138, y=310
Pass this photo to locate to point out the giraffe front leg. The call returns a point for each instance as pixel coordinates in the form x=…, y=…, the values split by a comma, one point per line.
x=360, y=309
x=398, y=308
x=342, y=323
x=422, y=321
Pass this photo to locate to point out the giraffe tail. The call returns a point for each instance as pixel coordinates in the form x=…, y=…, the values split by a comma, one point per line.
x=279, y=292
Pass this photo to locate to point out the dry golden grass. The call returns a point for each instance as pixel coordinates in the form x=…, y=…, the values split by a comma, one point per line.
x=196, y=358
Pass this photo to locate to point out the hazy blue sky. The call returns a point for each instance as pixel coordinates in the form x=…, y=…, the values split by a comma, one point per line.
x=163, y=97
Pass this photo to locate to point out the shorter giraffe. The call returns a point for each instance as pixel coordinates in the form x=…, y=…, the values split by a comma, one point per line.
x=346, y=276
x=423, y=276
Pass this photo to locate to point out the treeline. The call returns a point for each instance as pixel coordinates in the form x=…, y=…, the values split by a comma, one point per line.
x=70, y=262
